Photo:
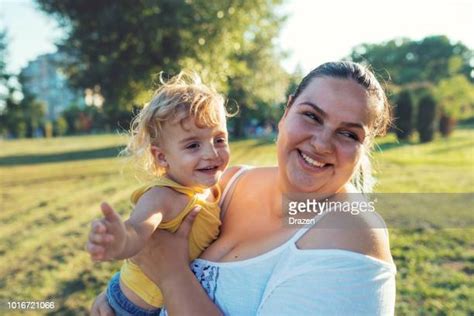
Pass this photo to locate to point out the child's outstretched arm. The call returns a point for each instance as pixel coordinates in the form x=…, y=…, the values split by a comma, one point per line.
x=112, y=239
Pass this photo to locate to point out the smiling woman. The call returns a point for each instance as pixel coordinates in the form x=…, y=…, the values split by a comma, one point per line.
x=331, y=121
x=260, y=265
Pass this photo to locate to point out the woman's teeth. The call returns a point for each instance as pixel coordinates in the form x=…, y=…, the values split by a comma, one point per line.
x=312, y=161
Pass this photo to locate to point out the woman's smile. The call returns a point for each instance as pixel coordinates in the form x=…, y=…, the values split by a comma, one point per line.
x=311, y=164
x=319, y=135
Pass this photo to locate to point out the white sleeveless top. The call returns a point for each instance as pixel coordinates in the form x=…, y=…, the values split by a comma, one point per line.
x=291, y=281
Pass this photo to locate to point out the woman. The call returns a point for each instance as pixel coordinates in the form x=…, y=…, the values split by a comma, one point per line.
x=260, y=264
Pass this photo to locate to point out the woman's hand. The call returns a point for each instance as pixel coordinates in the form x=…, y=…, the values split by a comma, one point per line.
x=101, y=307
x=166, y=262
x=168, y=253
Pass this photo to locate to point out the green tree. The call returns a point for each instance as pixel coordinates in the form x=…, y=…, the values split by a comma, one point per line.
x=18, y=118
x=21, y=118
x=12, y=116
x=60, y=126
x=405, y=61
x=426, y=118
x=3, y=56
x=260, y=86
x=120, y=45
x=5, y=91
x=33, y=111
x=456, y=98
x=403, y=115
x=71, y=115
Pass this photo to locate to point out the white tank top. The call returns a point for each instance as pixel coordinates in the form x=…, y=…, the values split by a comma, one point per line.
x=291, y=281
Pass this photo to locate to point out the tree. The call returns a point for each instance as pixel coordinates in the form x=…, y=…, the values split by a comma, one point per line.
x=426, y=118
x=5, y=91
x=4, y=76
x=120, y=45
x=456, y=98
x=260, y=85
x=403, y=115
x=12, y=116
x=60, y=126
x=21, y=118
x=71, y=116
x=33, y=111
x=405, y=61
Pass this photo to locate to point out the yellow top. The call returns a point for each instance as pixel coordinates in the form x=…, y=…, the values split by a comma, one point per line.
x=204, y=231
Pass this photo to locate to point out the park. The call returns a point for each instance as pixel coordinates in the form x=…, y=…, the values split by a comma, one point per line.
x=59, y=162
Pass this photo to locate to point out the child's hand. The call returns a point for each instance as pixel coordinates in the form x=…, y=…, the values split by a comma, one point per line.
x=108, y=235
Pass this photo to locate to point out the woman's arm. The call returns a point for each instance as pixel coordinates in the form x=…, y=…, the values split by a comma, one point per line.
x=166, y=262
x=101, y=307
x=184, y=295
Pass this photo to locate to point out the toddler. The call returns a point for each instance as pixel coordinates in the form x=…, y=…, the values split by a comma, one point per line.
x=181, y=138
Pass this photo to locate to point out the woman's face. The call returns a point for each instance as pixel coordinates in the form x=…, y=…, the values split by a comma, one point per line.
x=321, y=136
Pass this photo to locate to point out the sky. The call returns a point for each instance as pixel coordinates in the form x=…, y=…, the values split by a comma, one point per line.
x=315, y=32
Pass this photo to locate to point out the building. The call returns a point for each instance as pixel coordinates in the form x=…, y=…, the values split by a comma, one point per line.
x=45, y=79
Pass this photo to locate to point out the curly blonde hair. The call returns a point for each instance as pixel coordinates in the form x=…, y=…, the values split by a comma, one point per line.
x=181, y=97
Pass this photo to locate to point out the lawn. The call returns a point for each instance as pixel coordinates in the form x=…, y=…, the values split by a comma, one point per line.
x=51, y=190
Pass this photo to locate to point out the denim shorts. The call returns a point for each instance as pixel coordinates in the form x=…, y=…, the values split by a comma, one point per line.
x=121, y=305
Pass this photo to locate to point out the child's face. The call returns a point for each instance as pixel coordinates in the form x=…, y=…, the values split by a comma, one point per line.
x=194, y=156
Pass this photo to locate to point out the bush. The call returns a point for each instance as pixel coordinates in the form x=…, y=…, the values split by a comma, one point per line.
x=403, y=114
x=48, y=129
x=21, y=130
x=426, y=118
x=84, y=120
x=446, y=124
x=71, y=115
x=60, y=126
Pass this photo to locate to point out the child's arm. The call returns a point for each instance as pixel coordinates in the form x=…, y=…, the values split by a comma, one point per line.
x=114, y=239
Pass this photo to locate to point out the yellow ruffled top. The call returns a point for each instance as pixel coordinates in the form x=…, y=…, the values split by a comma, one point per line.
x=204, y=231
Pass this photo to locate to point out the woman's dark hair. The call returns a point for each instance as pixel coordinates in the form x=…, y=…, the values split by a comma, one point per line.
x=363, y=76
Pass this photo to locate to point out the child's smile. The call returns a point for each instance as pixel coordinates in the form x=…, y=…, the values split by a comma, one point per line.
x=194, y=156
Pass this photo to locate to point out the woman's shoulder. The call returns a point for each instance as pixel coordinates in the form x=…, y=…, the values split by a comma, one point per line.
x=364, y=233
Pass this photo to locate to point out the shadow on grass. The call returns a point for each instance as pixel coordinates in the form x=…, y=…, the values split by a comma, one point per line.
x=392, y=145
x=85, y=283
x=468, y=124
x=17, y=160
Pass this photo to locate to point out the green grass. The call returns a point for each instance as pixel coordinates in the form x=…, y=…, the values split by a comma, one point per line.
x=51, y=190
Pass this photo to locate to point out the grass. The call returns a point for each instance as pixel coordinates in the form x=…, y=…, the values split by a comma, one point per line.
x=51, y=190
